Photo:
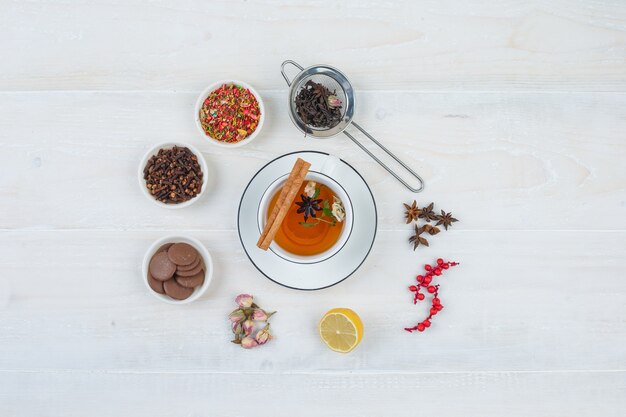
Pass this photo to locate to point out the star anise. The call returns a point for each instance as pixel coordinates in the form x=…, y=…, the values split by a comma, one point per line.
x=416, y=239
x=412, y=212
x=427, y=213
x=308, y=206
x=431, y=230
x=445, y=219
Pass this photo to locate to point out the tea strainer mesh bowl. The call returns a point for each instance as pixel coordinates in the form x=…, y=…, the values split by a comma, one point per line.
x=336, y=81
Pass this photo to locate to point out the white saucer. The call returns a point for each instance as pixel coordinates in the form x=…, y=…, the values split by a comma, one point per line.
x=331, y=271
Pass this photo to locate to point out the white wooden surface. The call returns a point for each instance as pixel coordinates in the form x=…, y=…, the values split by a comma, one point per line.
x=513, y=111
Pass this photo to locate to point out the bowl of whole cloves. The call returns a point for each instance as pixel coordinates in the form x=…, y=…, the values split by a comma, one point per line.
x=172, y=175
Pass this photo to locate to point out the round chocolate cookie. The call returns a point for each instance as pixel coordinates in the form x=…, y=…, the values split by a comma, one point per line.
x=175, y=290
x=191, y=282
x=155, y=284
x=165, y=247
x=192, y=272
x=161, y=267
x=182, y=254
x=191, y=266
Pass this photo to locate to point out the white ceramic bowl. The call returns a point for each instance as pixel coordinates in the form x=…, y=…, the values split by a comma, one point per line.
x=206, y=93
x=153, y=151
x=206, y=257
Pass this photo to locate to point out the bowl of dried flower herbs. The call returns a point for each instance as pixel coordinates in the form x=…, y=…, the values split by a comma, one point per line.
x=229, y=113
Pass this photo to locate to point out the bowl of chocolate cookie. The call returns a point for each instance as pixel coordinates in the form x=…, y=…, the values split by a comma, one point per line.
x=177, y=269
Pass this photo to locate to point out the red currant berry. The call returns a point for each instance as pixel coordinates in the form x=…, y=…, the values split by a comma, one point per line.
x=445, y=266
x=427, y=280
x=419, y=278
x=439, y=307
x=439, y=261
x=413, y=288
x=433, y=311
x=437, y=271
x=428, y=267
x=431, y=289
x=420, y=296
x=426, y=323
x=436, y=301
x=420, y=327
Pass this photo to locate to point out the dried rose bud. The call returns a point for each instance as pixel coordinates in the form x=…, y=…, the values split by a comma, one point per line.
x=248, y=342
x=236, y=316
x=261, y=315
x=248, y=326
x=236, y=327
x=310, y=188
x=264, y=335
x=244, y=300
x=333, y=101
x=339, y=212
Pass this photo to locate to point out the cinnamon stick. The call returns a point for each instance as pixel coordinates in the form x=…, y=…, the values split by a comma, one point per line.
x=295, y=171
x=285, y=199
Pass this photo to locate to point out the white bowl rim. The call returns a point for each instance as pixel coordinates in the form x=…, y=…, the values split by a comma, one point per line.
x=152, y=151
x=205, y=93
x=202, y=250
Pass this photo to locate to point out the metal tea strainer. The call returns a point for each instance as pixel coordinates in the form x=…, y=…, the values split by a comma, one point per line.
x=336, y=81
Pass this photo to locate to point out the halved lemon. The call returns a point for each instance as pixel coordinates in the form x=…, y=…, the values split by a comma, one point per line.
x=341, y=329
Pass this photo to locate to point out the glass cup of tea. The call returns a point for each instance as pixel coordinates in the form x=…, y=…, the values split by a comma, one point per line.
x=318, y=222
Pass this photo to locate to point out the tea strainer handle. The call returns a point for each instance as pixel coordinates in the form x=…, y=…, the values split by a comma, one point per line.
x=282, y=69
x=381, y=163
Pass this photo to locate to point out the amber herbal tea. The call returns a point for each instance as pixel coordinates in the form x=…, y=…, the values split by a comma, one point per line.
x=313, y=223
